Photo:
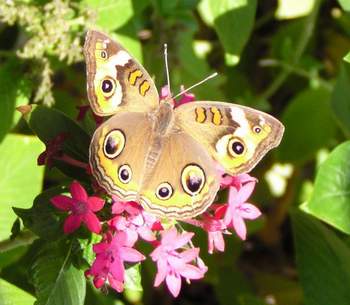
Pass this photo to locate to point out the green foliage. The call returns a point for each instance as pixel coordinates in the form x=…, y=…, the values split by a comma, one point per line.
x=289, y=58
x=21, y=179
x=55, y=279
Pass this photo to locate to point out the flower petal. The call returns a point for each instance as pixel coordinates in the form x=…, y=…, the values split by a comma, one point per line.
x=130, y=255
x=72, y=223
x=62, y=202
x=78, y=192
x=92, y=222
x=245, y=191
x=249, y=211
x=173, y=281
x=219, y=242
x=95, y=203
x=161, y=273
x=239, y=226
x=191, y=272
x=189, y=255
x=182, y=239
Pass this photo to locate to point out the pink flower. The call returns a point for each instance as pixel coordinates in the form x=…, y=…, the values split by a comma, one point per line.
x=130, y=207
x=81, y=208
x=238, y=209
x=215, y=227
x=83, y=111
x=185, y=98
x=172, y=265
x=236, y=181
x=109, y=263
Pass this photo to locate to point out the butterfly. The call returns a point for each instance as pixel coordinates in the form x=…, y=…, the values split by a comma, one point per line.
x=162, y=157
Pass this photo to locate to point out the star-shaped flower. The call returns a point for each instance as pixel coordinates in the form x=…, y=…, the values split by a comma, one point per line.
x=81, y=208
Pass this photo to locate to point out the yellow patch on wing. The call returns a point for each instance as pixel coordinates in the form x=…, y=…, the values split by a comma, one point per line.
x=144, y=87
x=133, y=76
x=217, y=117
x=200, y=114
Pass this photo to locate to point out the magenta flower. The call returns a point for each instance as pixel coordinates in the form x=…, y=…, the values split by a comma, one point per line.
x=130, y=207
x=109, y=263
x=172, y=265
x=81, y=208
x=238, y=209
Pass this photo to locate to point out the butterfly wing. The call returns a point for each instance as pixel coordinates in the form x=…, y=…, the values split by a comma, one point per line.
x=118, y=153
x=183, y=181
x=115, y=80
x=237, y=137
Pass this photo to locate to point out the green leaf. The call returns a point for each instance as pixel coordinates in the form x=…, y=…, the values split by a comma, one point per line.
x=14, y=91
x=133, y=278
x=111, y=14
x=345, y=5
x=347, y=57
x=233, y=21
x=48, y=123
x=323, y=262
x=341, y=98
x=12, y=295
x=289, y=9
x=21, y=179
x=55, y=279
x=42, y=217
x=330, y=200
x=309, y=126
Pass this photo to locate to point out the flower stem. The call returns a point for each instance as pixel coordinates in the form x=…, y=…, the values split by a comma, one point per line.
x=71, y=161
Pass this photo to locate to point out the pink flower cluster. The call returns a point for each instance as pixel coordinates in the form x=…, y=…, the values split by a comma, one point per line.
x=173, y=252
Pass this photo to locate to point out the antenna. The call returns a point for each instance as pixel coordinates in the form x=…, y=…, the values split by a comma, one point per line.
x=195, y=85
x=167, y=67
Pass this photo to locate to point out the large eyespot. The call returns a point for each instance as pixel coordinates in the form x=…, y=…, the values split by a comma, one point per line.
x=164, y=191
x=257, y=129
x=236, y=147
x=108, y=86
x=124, y=173
x=114, y=143
x=192, y=179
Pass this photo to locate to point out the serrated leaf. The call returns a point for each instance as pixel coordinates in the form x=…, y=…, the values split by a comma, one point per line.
x=309, y=126
x=42, y=217
x=330, y=200
x=20, y=179
x=12, y=295
x=323, y=262
x=233, y=21
x=14, y=91
x=55, y=279
x=289, y=9
x=341, y=98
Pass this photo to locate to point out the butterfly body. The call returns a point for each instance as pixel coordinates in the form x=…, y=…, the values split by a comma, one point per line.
x=163, y=157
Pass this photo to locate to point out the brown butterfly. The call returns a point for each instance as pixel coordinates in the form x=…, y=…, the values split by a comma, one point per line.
x=161, y=157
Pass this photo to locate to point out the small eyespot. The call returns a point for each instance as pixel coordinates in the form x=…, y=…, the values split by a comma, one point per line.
x=124, y=173
x=192, y=179
x=104, y=54
x=114, y=143
x=236, y=147
x=257, y=129
x=164, y=191
x=108, y=86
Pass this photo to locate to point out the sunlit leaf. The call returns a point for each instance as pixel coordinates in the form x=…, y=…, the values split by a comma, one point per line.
x=323, y=262
x=233, y=21
x=289, y=9
x=330, y=200
x=12, y=295
x=55, y=279
x=345, y=4
x=133, y=278
x=20, y=180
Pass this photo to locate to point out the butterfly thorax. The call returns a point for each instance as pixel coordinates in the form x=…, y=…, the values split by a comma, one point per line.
x=164, y=119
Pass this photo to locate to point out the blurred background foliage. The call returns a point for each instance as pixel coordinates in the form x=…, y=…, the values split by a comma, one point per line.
x=286, y=57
